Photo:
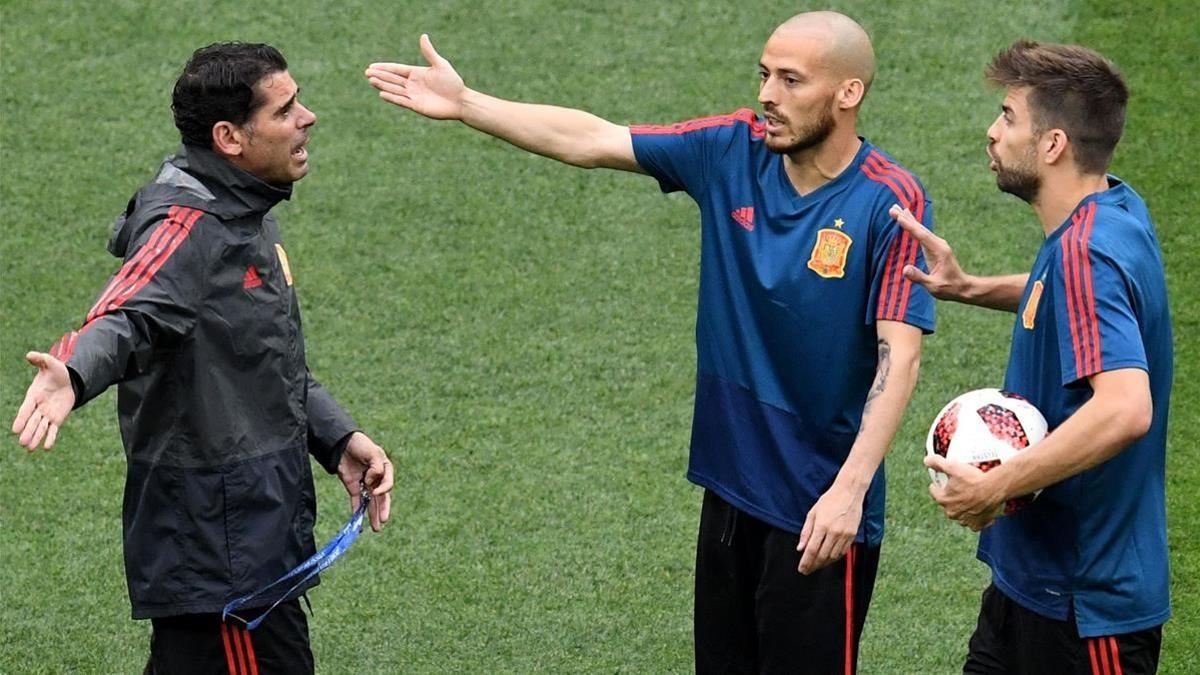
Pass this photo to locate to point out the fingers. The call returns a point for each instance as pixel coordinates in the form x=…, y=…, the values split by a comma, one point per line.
x=812, y=549
x=385, y=480
x=805, y=532
x=384, y=70
x=938, y=463
x=915, y=275
x=51, y=436
x=24, y=412
x=911, y=225
x=39, y=432
x=430, y=54
x=384, y=504
x=381, y=79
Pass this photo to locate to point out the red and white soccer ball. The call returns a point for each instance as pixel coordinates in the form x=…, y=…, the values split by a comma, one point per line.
x=985, y=428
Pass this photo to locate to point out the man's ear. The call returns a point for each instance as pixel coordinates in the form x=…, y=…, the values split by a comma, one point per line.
x=228, y=139
x=851, y=94
x=1053, y=146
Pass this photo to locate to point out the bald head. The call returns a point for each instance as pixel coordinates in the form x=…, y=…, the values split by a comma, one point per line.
x=847, y=48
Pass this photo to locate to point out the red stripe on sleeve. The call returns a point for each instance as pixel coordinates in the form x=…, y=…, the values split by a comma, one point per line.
x=850, y=611
x=140, y=270
x=744, y=115
x=135, y=264
x=228, y=649
x=173, y=239
x=896, y=289
x=1081, y=300
x=888, y=281
x=882, y=166
x=1073, y=301
x=1090, y=321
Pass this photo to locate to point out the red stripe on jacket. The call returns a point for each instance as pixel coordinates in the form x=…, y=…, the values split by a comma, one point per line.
x=895, y=289
x=743, y=115
x=135, y=274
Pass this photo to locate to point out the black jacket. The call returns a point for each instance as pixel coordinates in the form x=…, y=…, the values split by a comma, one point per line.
x=217, y=408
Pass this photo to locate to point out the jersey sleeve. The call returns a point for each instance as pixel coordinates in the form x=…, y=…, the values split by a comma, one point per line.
x=328, y=426
x=680, y=156
x=149, y=304
x=893, y=297
x=1098, y=328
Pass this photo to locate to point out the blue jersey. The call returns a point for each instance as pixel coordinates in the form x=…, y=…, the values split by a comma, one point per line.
x=1096, y=301
x=790, y=289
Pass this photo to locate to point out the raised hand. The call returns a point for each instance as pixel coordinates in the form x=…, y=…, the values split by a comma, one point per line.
x=946, y=279
x=435, y=91
x=48, y=401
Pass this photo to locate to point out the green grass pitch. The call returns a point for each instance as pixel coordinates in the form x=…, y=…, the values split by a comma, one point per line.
x=519, y=334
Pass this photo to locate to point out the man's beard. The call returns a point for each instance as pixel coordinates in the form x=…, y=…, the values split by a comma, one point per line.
x=808, y=136
x=1019, y=180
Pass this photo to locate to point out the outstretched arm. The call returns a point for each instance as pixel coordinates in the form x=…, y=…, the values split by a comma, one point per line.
x=438, y=92
x=832, y=523
x=946, y=279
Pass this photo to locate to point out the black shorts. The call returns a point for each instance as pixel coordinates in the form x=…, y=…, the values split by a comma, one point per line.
x=755, y=613
x=1012, y=639
x=203, y=644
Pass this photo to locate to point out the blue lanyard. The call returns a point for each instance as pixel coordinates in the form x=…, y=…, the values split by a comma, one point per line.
x=309, y=568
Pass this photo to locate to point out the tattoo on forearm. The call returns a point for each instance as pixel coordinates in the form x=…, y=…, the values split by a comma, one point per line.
x=882, y=367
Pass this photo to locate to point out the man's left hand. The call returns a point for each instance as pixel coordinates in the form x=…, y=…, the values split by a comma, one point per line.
x=363, y=460
x=829, y=528
x=968, y=496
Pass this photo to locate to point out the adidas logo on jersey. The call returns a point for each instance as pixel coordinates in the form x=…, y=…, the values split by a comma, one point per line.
x=744, y=217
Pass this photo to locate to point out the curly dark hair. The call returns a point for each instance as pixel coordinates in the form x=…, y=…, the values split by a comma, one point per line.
x=218, y=84
x=1070, y=88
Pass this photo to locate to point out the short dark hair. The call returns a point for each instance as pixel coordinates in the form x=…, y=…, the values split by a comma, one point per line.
x=218, y=84
x=1071, y=88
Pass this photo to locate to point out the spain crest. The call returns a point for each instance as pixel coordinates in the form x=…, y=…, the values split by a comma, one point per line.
x=828, y=257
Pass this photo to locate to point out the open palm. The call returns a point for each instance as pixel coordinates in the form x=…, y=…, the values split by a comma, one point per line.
x=434, y=91
x=48, y=401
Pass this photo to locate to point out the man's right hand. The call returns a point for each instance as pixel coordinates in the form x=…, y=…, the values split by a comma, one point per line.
x=435, y=91
x=48, y=401
x=946, y=279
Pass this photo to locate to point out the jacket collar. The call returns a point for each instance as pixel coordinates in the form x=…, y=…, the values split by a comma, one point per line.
x=238, y=193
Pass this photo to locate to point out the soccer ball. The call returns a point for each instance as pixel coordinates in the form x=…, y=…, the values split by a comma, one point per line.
x=984, y=428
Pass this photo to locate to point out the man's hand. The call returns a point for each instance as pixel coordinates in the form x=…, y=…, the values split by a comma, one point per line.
x=48, y=401
x=946, y=279
x=365, y=461
x=968, y=496
x=829, y=528
x=435, y=91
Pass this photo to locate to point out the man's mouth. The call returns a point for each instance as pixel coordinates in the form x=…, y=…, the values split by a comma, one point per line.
x=773, y=122
x=300, y=153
